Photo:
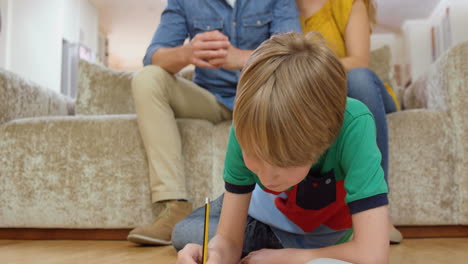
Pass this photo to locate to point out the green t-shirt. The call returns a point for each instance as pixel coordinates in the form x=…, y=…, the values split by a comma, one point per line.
x=349, y=174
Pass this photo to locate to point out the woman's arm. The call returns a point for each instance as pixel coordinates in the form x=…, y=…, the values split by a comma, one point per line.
x=357, y=37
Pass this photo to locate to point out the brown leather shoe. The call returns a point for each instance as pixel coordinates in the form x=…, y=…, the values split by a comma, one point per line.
x=159, y=233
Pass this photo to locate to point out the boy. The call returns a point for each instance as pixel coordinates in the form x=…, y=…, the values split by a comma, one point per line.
x=305, y=158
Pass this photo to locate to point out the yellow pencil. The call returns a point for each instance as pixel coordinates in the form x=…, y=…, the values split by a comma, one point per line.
x=205, y=232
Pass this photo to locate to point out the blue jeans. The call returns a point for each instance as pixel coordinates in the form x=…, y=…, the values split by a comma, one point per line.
x=365, y=86
x=190, y=230
x=257, y=234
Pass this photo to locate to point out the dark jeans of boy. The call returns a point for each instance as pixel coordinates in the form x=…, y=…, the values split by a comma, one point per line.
x=257, y=234
x=190, y=230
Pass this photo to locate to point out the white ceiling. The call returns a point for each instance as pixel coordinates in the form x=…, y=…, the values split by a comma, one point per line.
x=130, y=24
x=392, y=13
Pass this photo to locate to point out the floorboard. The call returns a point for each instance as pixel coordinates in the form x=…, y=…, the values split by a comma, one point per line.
x=411, y=251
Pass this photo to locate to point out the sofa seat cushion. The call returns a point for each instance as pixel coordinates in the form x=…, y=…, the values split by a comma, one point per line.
x=88, y=172
x=424, y=188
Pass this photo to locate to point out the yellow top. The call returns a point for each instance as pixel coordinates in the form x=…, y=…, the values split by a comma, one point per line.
x=331, y=21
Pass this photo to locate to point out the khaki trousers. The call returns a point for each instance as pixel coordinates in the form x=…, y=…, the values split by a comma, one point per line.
x=160, y=98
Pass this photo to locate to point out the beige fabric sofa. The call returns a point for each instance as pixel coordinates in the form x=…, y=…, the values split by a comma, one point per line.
x=89, y=169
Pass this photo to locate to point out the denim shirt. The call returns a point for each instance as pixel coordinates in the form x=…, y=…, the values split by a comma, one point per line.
x=246, y=25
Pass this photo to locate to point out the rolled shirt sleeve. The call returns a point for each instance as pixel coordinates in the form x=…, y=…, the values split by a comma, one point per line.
x=237, y=177
x=171, y=32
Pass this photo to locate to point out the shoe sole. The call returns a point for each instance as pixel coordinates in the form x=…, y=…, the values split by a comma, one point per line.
x=144, y=240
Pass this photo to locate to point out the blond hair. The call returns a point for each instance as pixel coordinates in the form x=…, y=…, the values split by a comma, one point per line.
x=290, y=100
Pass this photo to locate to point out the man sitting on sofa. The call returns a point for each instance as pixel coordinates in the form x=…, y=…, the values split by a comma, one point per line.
x=223, y=33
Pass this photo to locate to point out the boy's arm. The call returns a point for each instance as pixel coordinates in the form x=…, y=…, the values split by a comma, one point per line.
x=365, y=195
x=368, y=246
x=226, y=245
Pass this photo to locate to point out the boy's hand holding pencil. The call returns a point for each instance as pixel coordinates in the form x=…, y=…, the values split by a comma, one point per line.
x=194, y=253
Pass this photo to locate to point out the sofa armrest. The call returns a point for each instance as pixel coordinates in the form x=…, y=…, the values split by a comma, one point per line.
x=444, y=89
x=443, y=86
x=422, y=168
x=20, y=99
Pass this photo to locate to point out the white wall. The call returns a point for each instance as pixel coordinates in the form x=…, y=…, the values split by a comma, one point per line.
x=81, y=23
x=32, y=47
x=418, y=36
x=418, y=46
x=443, y=34
x=35, y=42
x=72, y=20
x=459, y=21
x=4, y=32
x=89, y=25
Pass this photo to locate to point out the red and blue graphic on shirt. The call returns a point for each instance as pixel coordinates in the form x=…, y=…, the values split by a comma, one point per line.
x=318, y=199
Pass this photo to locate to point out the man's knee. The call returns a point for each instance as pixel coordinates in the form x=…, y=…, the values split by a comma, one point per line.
x=151, y=80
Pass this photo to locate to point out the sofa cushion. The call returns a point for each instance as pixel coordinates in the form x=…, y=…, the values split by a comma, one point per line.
x=415, y=96
x=89, y=171
x=20, y=98
x=102, y=91
x=380, y=63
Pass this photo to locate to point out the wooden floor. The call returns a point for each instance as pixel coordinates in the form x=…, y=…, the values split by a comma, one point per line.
x=411, y=251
